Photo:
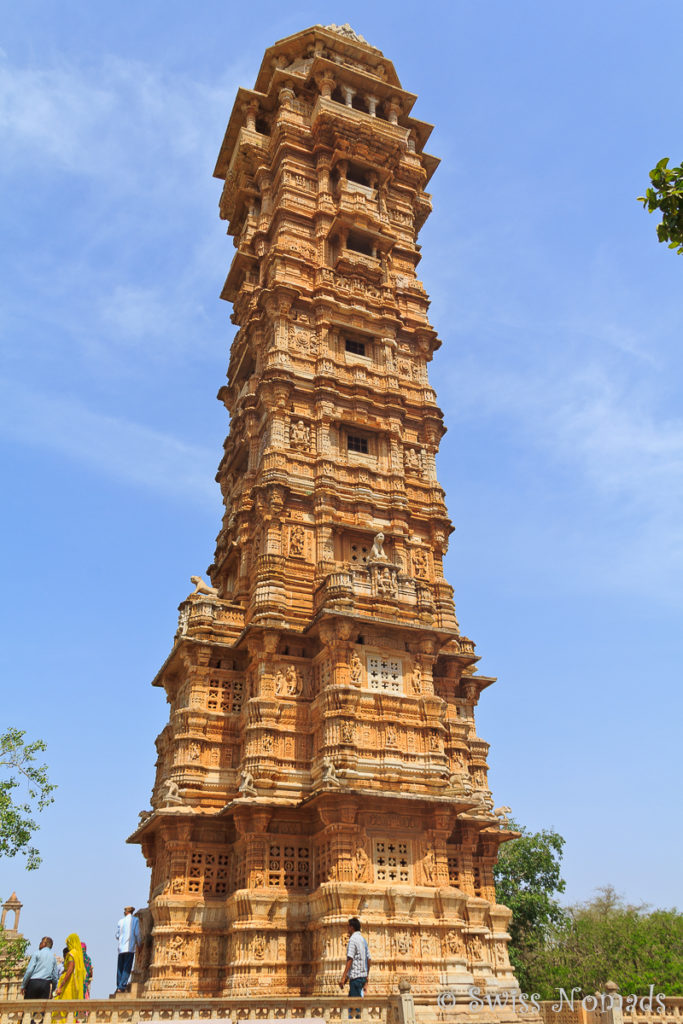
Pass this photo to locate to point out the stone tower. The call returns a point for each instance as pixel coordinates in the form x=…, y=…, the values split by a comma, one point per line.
x=321, y=758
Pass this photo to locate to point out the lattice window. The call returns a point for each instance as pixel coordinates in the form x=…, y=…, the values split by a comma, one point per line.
x=385, y=675
x=216, y=867
x=477, y=881
x=225, y=695
x=358, y=554
x=453, y=868
x=196, y=873
x=289, y=866
x=392, y=861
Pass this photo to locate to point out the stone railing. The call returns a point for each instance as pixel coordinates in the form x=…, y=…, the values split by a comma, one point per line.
x=267, y=1010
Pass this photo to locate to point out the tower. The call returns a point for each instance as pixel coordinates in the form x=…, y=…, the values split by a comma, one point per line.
x=321, y=759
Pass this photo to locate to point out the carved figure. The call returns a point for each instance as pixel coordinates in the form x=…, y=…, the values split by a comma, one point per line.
x=403, y=943
x=417, y=677
x=202, y=588
x=347, y=731
x=502, y=814
x=454, y=943
x=386, y=583
x=329, y=773
x=299, y=435
x=295, y=683
x=377, y=552
x=429, y=865
x=296, y=541
x=246, y=786
x=170, y=793
x=361, y=863
x=279, y=683
x=420, y=562
x=356, y=667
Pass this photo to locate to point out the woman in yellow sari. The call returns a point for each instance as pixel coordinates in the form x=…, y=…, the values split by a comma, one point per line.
x=70, y=985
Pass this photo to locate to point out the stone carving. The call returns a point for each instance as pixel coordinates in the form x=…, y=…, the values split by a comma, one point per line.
x=454, y=944
x=170, y=793
x=413, y=462
x=297, y=538
x=474, y=947
x=300, y=436
x=502, y=814
x=417, y=678
x=202, y=588
x=347, y=732
x=387, y=584
x=258, y=947
x=377, y=552
x=361, y=865
x=267, y=744
x=356, y=669
x=329, y=775
x=420, y=563
x=392, y=738
x=403, y=943
x=346, y=30
x=429, y=865
x=295, y=683
x=246, y=786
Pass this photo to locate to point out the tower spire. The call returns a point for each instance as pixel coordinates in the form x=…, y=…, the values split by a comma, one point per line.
x=321, y=752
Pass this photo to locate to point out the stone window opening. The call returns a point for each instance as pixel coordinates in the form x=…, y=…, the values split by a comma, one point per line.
x=355, y=347
x=358, y=175
x=357, y=443
x=262, y=126
x=391, y=861
x=289, y=865
x=385, y=675
x=359, y=243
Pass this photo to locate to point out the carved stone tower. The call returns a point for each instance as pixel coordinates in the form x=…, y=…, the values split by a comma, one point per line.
x=321, y=758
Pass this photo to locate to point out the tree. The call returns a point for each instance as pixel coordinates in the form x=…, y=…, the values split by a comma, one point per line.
x=605, y=940
x=666, y=194
x=528, y=879
x=24, y=790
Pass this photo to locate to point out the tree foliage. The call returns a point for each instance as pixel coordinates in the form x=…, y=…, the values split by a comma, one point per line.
x=605, y=940
x=24, y=790
x=528, y=880
x=666, y=195
x=12, y=954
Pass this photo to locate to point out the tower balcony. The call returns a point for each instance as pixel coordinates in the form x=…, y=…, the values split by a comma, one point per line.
x=332, y=122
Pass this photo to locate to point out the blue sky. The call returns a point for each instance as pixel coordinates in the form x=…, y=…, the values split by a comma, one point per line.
x=559, y=376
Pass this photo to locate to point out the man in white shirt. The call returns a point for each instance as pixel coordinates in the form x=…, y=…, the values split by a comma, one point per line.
x=357, y=962
x=128, y=938
x=42, y=972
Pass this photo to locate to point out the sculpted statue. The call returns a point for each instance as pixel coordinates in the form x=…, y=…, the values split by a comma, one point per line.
x=171, y=793
x=246, y=786
x=329, y=773
x=502, y=814
x=202, y=588
x=356, y=668
x=377, y=550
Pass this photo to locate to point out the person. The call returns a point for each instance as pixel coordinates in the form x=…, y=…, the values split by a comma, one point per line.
x=42, y=973
x=71, y=984
x=357, y=962
x=87, y=963
x=128, y=938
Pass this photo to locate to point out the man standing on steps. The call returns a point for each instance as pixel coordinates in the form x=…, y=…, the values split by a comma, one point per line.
x=357, y=962
x=128, y=938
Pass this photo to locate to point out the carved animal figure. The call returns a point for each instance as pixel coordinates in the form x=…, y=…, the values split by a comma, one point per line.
x=202, y=588
x=502, y=814
x=377, y=550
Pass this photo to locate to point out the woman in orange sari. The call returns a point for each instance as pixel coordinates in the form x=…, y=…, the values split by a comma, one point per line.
x=70, y=985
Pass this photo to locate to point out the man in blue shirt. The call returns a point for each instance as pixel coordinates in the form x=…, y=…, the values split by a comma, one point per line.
x=128, y=938
x=42, y=973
